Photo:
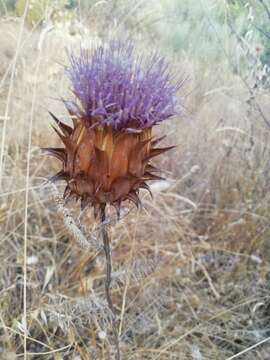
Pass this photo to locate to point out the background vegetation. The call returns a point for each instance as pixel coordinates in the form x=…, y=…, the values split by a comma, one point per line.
x=191, y=270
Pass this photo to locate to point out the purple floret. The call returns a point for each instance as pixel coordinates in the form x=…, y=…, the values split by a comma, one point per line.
x=122, y=90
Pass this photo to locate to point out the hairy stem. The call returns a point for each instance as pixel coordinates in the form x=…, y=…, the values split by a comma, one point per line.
x=107, y=250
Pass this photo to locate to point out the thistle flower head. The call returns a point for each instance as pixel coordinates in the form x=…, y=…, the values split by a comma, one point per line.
x=106, y=158
x=121, y=90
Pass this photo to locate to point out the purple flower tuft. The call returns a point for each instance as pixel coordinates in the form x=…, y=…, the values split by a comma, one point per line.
x=122, y=90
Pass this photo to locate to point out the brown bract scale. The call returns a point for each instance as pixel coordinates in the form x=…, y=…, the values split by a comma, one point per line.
x=104, y=166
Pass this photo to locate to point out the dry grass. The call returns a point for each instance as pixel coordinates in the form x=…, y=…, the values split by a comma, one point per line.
x=191, y=270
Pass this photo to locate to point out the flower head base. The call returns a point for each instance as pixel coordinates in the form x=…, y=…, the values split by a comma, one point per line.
x=108, y=151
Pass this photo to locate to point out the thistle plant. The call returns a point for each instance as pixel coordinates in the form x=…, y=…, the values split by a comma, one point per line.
x=107, y=154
